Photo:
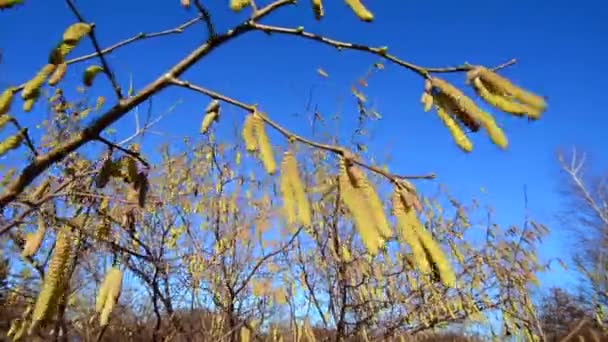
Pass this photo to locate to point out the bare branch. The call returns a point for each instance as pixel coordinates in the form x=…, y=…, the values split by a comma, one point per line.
x=104, y=63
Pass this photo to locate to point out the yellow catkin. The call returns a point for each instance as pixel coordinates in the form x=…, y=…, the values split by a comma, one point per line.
x=504, y=86
x=212, y=114
x=33, y=240
x=28, y=104
x=248, y=133
x=287, y=193
x=58, y=74
x=111, y=287
x=11, y=143
x=457, y=102
x=266, y=153
x=360, y=181
x=427, y=101
x=245, y=334
x=502, y=102
x=466, y=105
x=33, y=85
x=495, y=133
x=75, y=32
x=460, y=138
x=448, y=278
x=407, y=223
x=317, y=8
x=360, y=10
x=89, y=74
x=358, y=209
x=4, y=119
x=290, y=171
x=237, y=5
x=52, y=286
x=6, y=99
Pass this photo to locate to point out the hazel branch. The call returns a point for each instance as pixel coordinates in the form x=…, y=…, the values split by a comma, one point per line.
x=378, y=51
x=292, y=136
x=140, y=36
x=104, y=62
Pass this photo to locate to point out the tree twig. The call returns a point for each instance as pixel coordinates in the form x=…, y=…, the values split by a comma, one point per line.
x=104, y=63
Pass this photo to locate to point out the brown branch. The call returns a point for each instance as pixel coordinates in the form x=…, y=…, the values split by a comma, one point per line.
x=206, y=17
x=104, y=62
x=379, y=51
x=92, y=130
x=137, y=37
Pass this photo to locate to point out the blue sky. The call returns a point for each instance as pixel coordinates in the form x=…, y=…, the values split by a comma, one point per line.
x=558, y=44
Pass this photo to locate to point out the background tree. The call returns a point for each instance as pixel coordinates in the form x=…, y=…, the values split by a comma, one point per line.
x=586, y=219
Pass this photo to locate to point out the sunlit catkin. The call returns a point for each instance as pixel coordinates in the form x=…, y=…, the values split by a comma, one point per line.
x=362, y=184
x=317, y=8
x=75, y=32
x=266, y=153
x=248, y=133
x=33, y=240
x=502, y=102
x=4, y=119
x=357, y=207
x=456, y=101
x=360, y=10
x=52, y=286
x=501, y=85
x=89, y=74
x=460, y=138
x=37, y=81
x=6, y=98
x=237, y=5
x=212, y=114
x=427, y=101
x=407, y=222
x=109, y=292
x=292, y=188
x=11, y=143
x=58, y=74
x=448, y=278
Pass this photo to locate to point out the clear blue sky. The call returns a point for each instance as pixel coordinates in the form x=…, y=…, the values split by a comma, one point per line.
x=558, y=44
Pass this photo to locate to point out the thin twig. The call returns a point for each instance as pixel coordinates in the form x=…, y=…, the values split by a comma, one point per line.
x=294, y=137
x=206, y=17
x=140, y=36
x=379, y=51
x=133, y=154
x=104, y=63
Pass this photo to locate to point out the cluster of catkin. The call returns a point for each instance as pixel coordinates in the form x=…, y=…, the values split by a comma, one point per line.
x=427, y=252
x=364, y=206
x=456, y=110
x=124, y=168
